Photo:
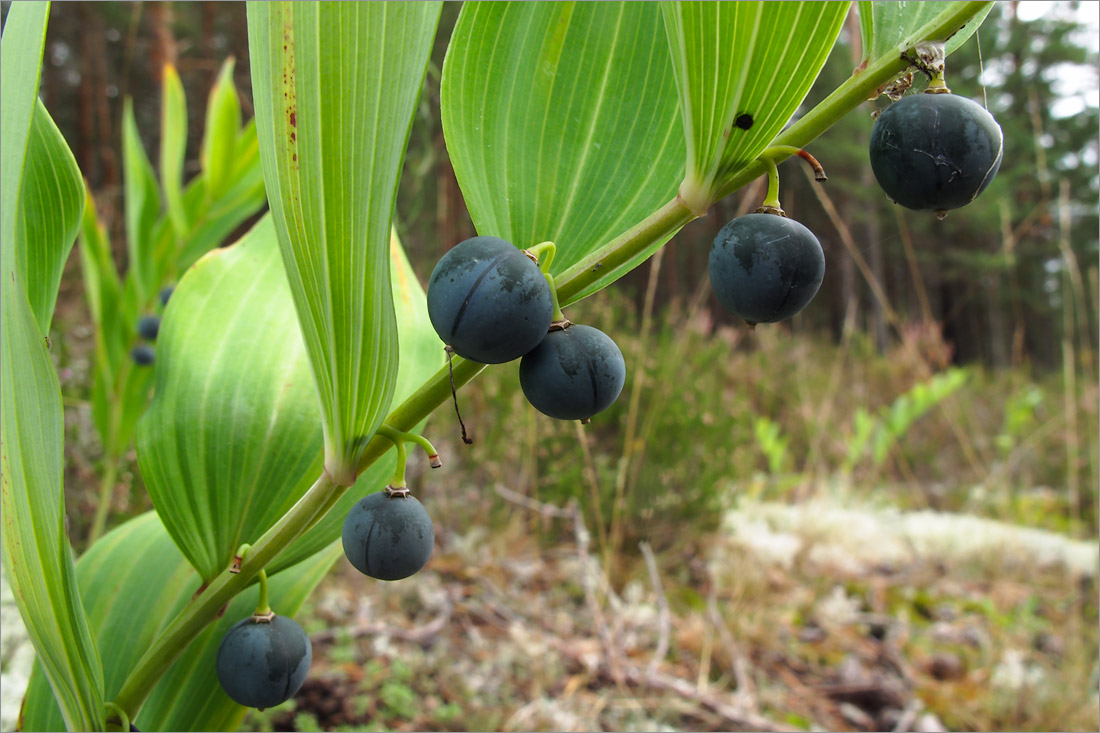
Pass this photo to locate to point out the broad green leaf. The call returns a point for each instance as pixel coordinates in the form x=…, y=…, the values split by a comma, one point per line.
x=134, y=581
x=233, y=436
x=742, y=69
x=561, y=122
x=51, y=204
x=331, y=159
x=173, y=146
x=889, y=28
x=223, y=120
x=142, y=201
x=20, y=66
x=36, y=552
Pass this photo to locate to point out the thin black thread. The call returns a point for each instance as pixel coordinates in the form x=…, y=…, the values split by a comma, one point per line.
x=454, y=394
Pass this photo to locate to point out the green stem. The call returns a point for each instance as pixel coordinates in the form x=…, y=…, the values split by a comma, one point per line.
x=618, y=255
x=771, y=199
x=123, y=718
x=106, y=489
x=401, y=436
x=574, y=283
x=398, y=480
x=557, y=315
x=549, y=248
x=263, y=607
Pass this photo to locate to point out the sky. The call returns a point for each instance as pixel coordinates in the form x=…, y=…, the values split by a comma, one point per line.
x=1078, y=85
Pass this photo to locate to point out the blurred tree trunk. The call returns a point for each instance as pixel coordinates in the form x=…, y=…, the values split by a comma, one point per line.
x=873, y=242
x=164, y=50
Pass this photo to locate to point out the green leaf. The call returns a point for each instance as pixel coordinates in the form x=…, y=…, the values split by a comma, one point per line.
x=99, y=274
x=223, y=120
x=233, y=436
x=331, y=160
x=20, y=65
x=742, y=70
x=134, y=582
x=561, y=123
x=37, y=556
x=36, y=552
x=173, y=146
x=889, y=28
x=51, y=204
x=242, y=196
x=142, y=201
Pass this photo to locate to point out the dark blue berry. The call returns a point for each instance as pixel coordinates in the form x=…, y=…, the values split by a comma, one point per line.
x=935, y=151
x=148, y=327
x=388, y=537
x=263, y=663
x=166, y=293
x=765, y=268
x=573, y=374
x=143, y=355
x=489, y=301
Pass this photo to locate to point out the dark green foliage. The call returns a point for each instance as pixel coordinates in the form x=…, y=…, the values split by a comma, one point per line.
x=148, y=327
x=261, y=664
x=166, y=293
x=935, y=151
x=388, y=537
x=573, y=374
x=764, y=268
x=143, y=355
x=489, y=301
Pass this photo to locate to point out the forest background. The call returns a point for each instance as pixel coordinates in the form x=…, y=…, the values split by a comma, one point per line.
x=946, y=370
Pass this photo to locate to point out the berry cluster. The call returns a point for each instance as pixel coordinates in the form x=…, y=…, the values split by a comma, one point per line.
x=491, y=303
x=148, y=327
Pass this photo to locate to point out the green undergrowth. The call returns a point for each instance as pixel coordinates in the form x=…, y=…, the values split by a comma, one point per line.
x=725, y=413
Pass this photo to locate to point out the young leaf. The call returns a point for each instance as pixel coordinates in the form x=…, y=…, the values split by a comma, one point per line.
x=98, y=271
x=891, y=27
x=142, y=201
x=223, y=120
x=335, y=86
x=51, y=204
x=561, y=122
x=134, y=581
x=742, y=70
x=173, y=146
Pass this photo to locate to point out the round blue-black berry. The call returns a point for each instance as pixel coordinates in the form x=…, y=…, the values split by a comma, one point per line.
x=148, y=327
x=388, y=537
x=166, y=293
x=573, y=374
x=143, y=355
x=489, y=301
x=263, y=663
x=765, y=268
x=935, y=151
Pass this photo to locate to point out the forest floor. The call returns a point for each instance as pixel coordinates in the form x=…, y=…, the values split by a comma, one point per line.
x=789, y=618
